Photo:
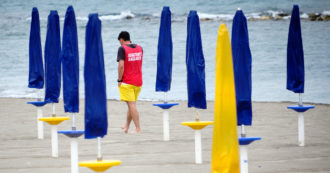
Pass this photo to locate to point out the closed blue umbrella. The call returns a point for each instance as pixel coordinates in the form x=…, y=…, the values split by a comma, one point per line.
x=195, y=63
x=52, y=58
x=70, y=62
x=242, y=68
x=295, y=55
x=36, y=69
x=96, y=123
x=165, y=49
x=296, y=70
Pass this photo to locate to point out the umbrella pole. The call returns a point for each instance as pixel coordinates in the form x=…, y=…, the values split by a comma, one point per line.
x=99, y=155
x=301, y=129
x=53, y=107
x=39, y=95
x=165, y=97
x=74, y=156
x=39, y=115
x=74, y=121
x=54, y=141
x=243, y=154
x=197, y=115
x=166, y=123
x=166, y=126
x=243, y=157
x=198, y=147
x=243, y=131
x=40, y=124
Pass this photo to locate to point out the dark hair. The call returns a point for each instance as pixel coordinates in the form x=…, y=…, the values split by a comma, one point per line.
x=124, y=35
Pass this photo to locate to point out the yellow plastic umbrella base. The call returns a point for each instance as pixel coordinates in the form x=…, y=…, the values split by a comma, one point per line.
x=54, y=120
x=100, y=166
x=197, y=125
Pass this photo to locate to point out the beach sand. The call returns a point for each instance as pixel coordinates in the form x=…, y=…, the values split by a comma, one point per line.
x=22, y=152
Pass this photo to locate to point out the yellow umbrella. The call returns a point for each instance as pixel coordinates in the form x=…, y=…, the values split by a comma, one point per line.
x=225, y=157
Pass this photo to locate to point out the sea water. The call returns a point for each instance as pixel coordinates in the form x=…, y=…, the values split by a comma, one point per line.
x=268, y=41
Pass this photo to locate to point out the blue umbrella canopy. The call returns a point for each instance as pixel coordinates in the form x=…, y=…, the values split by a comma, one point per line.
x=295, y=55
x=195, y=63
x=36, y=69
x=52, y=58
x=96, y=123
x=70, y=62
x=242, y=68
x=165, y=49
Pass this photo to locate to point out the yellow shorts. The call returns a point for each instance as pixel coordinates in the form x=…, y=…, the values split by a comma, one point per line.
x=129, y=92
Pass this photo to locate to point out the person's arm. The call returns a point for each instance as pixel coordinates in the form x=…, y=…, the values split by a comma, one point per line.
x=120, y=71
x=120, y=60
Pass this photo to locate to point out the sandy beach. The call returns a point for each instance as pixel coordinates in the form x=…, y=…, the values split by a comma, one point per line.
x=21, y=151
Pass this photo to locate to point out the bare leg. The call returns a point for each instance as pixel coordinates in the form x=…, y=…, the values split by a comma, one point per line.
x=128, y=122
x=134, y=115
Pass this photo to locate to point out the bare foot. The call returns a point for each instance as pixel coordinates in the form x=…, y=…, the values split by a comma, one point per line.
x=125, y=128
x=136, y=131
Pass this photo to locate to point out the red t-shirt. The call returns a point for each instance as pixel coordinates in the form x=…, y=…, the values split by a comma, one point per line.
x=133, y=65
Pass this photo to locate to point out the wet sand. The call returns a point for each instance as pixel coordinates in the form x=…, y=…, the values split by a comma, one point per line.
x=21, y=151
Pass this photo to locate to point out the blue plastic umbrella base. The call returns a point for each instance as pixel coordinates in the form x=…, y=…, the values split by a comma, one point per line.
x=247, y=140
x=302, y=108
x=72, y=133
x=37, y=103
x=165, y=105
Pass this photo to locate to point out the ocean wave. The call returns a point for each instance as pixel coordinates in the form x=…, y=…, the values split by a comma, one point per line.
x=265, y=15
x=326, y=13
x=122, y=15
x=207, y=16
x=115, y=16
x=81, y=18
x=156, y=15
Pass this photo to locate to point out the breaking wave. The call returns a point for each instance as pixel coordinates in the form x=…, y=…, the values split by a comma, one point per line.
x=266, y=15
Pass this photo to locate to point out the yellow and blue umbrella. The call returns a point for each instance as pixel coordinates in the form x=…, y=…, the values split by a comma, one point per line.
x=52, y=58
x=70, y=63
x=195, y=63
x=242, y=68
x=36, y=69
x=96, y=123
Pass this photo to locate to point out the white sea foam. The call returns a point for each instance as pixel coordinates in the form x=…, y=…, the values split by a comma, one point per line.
x=202, y=16
x=304, y=16
x=326, y=13
x=273, y=13
x=40, y=18
x=207, y=16
x=122, y=15
x=81, y=18
x=286, y=17
x=253, y=15
x=156, y=14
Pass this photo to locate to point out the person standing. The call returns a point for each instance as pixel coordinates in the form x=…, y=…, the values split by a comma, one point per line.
x=129, y=60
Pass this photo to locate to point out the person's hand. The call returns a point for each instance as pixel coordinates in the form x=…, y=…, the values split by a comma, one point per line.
x=119, y=83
